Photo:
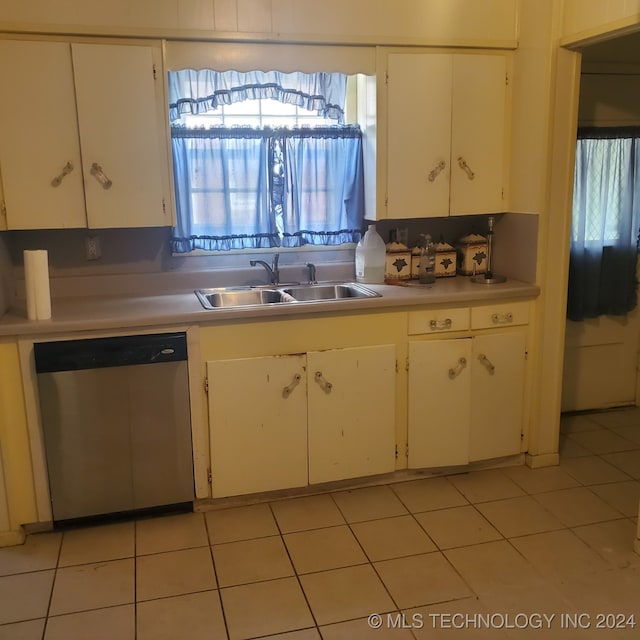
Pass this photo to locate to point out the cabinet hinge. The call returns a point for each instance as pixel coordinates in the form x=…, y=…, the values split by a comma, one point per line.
x=3, y=209
x=206, y=385
x=155, y=72
x=522, y=435
x=406, y=450
x=386, y=200
x=209, y=476
x=386, y=77
x=164, y=207
x=406, y=365
x=503, y=193
x=506, y=79
x=396, y=452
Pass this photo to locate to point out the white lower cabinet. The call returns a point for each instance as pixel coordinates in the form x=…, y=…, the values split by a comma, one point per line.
x=465, y=399
x=351, y=412
x=278, y=422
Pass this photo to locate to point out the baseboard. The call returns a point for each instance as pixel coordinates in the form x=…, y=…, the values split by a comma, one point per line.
x=11, y=538
x=542, y=460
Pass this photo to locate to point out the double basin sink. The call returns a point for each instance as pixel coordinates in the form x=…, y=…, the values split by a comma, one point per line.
x=234, y=297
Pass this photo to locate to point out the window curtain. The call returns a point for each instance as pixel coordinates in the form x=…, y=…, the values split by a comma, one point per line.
x=323, y=200
x=198, y=91
x=227, y=207
x=604, y=242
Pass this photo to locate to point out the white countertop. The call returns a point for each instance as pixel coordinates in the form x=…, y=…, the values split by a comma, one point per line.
x=104, y=312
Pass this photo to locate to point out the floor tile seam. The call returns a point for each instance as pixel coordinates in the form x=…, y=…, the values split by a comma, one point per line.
x=414, y=511
x=296, y=575
x=215, y=577
x=635, y=446
x=84, y=564
x=190, y=592
x=589, y=488
x=157, y=553
x=6, y=624
x=109, y=606
x=596, y=549
x=53, y=586
x=569, y=525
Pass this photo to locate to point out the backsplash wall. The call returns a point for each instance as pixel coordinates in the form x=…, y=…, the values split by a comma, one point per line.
x=146, y=251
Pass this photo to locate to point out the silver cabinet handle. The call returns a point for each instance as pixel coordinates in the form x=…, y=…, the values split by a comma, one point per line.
x=504, y=318
x=440, y=325
x=286, y=392
x=457, y=370
x=487, y=363
x=325, y=384
x=462, y=163
x=99, y=175
x=66, y=170
x=437, y=170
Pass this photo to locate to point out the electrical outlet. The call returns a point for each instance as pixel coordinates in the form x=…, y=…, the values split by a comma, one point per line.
x=92, y=247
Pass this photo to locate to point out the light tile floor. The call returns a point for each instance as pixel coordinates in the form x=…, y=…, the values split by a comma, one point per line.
x=498, y=554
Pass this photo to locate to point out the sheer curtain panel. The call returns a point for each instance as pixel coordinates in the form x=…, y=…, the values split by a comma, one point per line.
x=604, y=239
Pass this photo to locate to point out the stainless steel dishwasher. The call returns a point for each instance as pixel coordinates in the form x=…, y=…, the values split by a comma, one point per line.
x=116, y=424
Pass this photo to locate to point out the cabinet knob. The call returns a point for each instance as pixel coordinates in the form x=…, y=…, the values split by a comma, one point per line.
x=457, y=370
x=66, y=170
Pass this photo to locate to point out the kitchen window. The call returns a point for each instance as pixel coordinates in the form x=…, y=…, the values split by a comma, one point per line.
x=605, y=223
x=263, y=160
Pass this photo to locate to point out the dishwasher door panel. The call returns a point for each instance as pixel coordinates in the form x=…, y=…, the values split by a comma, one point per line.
x=87, y=440
x=160, y=434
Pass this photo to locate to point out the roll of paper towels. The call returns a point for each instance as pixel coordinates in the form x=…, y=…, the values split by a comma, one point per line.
x=36, y=281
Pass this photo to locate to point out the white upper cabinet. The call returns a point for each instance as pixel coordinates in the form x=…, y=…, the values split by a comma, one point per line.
x=39, y=137
x=445, y=135
x=81, y=139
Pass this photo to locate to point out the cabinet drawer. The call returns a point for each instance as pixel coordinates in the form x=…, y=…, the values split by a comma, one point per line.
x=500, y=315
x=438, y=320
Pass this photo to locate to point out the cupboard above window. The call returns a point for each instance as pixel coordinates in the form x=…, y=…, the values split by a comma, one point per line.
x=441, y=134
x=82, y=136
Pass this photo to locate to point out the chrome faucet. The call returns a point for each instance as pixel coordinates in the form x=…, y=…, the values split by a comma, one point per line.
x=273, y=272
x=312, y=273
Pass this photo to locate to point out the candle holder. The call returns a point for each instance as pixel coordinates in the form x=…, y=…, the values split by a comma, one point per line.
x=488, y=277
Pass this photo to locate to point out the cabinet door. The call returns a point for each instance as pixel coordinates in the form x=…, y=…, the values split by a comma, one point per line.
x=39, y=137
x=418, y=135
x=439, y=403
x=478, y=134
x=120, y=134
x=351, y=412
x=497, y=394
x=258, y=424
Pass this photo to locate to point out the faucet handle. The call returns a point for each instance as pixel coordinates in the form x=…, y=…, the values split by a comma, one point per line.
x=276, y=258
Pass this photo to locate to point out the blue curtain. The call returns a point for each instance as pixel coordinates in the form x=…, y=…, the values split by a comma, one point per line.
x=240, y=188
x=221, y=191
x=323, y=202
x=605, y=224
x=193, y=92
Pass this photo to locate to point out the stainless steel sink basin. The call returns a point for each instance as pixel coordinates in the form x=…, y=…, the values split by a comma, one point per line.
x=234, y=297
x=240, y=297
x=313, y=292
